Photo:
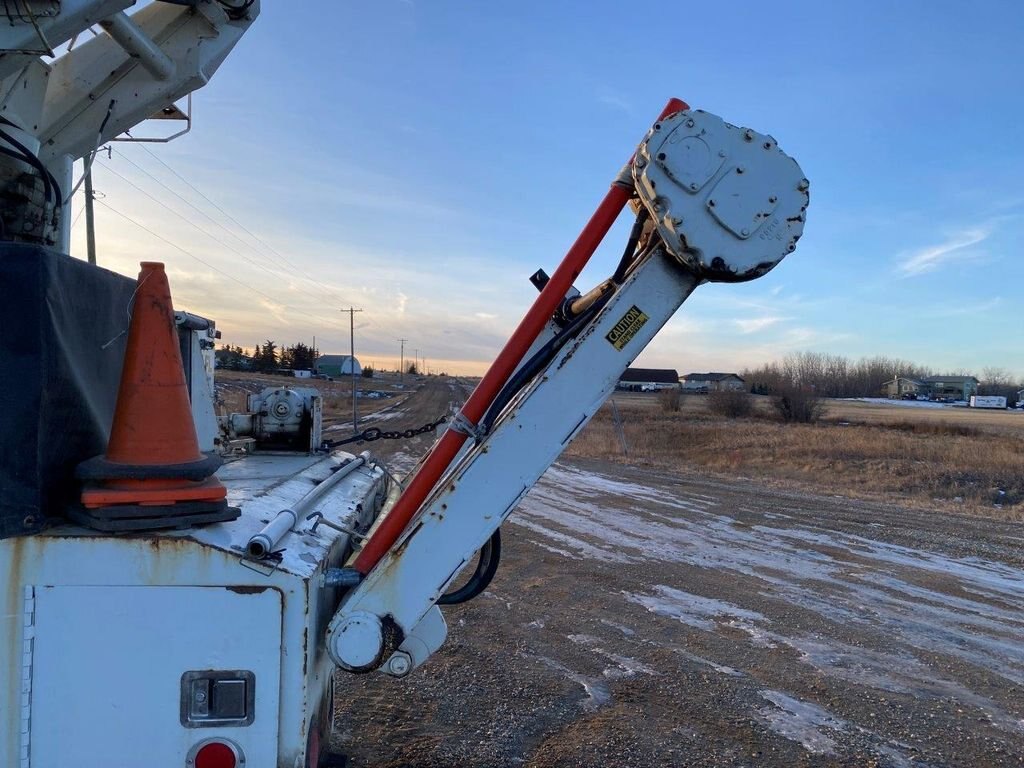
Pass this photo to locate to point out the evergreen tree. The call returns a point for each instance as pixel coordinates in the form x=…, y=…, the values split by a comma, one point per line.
x=265, y=359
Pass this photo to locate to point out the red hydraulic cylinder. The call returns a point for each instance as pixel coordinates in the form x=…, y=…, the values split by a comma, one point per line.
x=504, y=365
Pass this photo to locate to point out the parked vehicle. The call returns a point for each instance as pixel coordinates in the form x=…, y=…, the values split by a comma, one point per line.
x=995, y=402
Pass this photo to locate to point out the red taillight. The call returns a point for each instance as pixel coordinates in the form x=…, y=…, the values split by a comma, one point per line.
x=216, y=754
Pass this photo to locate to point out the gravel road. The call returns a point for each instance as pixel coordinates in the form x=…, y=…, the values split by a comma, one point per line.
x=645, y=618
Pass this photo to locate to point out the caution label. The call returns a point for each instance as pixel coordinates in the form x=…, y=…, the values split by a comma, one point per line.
x=627, y=327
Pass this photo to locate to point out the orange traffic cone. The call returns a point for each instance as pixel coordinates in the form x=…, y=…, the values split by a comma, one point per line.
x=153, y=474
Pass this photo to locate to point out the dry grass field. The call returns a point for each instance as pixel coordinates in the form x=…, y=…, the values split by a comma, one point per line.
x=953, y=459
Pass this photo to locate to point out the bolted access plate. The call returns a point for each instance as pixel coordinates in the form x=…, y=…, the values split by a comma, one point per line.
x=728, y=203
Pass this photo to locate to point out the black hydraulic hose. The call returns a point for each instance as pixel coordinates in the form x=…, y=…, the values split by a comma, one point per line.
x=536, y=364
x=49, y=182
x=629, y=253
x=486, y=567
x=546, y=353
x=47, y=191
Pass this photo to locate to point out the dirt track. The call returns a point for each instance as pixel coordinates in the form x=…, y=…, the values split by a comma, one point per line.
x=643, y=618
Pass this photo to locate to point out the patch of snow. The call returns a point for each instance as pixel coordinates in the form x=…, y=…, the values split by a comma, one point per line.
x=802, y=722
x=556, y=550
x=844, y=577
x=759, y=638
x=897, y=403
x=401, y=463
x=386, y=415
x=693, y=610
x=595, y=688
x=622, y=628
x=721, y=668
x=627, y=667
x=582, y=547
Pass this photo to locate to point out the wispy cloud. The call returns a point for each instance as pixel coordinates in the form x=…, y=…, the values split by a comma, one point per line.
x=755, y=324
x=954, y=248
x=609, y=99
x=278, y=311
x=966, y=309
x=484, y=315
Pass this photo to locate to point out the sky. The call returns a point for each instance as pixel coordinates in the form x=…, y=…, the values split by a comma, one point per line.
x=419, y=159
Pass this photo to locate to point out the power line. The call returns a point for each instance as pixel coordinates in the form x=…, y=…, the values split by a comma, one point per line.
x=77, y=217
x=189, y=203
x=187, y=252
x=231, y=218
x=191, y=223
x=296, y=271
x=208, y=264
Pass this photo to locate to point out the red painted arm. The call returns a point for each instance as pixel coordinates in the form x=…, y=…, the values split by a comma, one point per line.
x=504, y=365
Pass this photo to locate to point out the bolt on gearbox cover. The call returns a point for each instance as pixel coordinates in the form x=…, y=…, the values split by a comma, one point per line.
x=728, y=203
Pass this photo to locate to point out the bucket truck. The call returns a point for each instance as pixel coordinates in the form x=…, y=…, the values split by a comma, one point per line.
x=137, y=628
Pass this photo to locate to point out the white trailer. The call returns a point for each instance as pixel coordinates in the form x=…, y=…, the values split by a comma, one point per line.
x=992, y=402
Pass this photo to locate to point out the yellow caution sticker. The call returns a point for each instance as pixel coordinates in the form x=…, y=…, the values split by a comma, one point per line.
x=627, y=327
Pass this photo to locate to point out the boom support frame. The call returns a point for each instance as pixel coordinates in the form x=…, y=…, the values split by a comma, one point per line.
x=723, y=204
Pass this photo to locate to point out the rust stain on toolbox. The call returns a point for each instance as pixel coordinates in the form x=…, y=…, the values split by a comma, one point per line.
x=627, y=327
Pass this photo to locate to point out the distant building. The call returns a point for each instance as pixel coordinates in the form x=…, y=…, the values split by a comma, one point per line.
x=899, y=386
x=713, y=382
x=338, y=365
x=950, y=387
x=648, y=379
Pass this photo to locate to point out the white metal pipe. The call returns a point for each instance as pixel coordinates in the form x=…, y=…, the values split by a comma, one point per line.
x=311, y=499
x=63, y=168
x=264, y=542
x=138, y=44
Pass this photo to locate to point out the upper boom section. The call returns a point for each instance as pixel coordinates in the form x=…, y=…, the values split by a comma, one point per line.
x=62, y=109
x=35, y=30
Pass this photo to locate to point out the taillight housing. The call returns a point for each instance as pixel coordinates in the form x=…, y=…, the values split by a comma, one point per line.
x=215, y=753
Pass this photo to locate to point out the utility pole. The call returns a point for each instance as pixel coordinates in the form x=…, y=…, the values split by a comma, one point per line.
x=90, y=222
x=352, y=362
x=417, y=361
x=401, y=365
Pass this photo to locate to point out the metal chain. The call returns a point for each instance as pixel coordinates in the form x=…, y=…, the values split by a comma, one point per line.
x=375, y=433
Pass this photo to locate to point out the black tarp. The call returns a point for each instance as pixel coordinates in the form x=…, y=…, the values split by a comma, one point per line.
x=63, y=328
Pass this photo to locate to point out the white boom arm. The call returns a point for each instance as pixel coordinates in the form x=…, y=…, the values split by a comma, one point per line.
x=724, y=204
x=139, y=65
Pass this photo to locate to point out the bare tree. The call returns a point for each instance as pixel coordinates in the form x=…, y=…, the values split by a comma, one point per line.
x=832, y=375
x=730, y=403
x=998, y=381
x=799, y=404
x=669, y=399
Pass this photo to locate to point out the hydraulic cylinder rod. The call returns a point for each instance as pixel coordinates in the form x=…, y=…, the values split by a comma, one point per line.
x=442, y=454
x=264, y=542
